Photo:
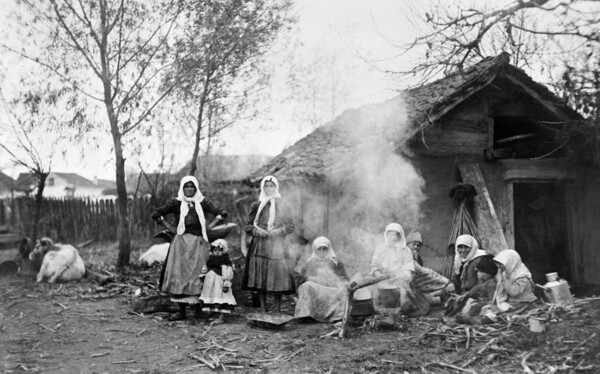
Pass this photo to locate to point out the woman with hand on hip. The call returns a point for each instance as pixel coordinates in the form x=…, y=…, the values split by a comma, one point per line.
x=189, y=249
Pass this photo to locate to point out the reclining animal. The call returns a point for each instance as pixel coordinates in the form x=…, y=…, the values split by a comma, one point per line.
x=156, y=253
x=61, y=262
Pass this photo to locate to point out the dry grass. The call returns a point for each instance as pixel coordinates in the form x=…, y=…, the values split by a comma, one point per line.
x=103, y=255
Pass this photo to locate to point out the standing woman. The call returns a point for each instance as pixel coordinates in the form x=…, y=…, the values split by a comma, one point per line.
x=189, y=249
x=269, y=223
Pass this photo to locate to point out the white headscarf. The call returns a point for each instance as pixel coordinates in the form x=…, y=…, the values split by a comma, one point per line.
x=475, y=252
x=515, y=269
x=397, y=228
x=222, y=243
x=264, y=199
x=397, y=262
x=322, y=241
x=184, y=208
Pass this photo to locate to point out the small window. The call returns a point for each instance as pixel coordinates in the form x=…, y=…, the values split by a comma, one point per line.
x=50, y=182
x=521, y=137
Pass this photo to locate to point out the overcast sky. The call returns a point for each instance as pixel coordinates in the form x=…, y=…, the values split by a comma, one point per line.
x=355, y=31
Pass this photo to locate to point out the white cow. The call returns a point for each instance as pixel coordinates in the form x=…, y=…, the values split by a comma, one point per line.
x=61, y=262
x=156, y=253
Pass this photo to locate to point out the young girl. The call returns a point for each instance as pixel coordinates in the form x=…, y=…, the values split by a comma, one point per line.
x=269, y=223
x=189, y=249
x=217, y=274
x=483, y=292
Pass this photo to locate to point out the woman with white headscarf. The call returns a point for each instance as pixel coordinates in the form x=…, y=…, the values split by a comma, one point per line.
x=514, y=282
x=393, y=258
x=189, y=249
x=514, y=290
x=466, y=259
x=322, y=290
x=270, y=221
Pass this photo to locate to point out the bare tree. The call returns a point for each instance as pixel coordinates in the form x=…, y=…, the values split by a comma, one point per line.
x=460, y=35
x=30, y=123
x=112, y=53
x=222, y=45
x=558, y=36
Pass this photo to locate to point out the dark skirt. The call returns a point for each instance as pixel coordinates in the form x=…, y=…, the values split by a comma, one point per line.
x=187, y=255
x=266, y=267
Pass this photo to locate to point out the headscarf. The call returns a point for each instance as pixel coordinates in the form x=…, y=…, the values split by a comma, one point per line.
x=515, y=269
x=475, y=252
x=222, y=243
x=264, y=199
x=397, y=228
x=322, y=241
x=215, y=262
x=401, y=267
x=184, y=208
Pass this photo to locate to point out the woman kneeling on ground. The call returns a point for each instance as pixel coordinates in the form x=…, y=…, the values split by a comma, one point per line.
x=322, y=290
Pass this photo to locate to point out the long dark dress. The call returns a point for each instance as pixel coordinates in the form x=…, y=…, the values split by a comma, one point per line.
x=266, y=263
x=187, y=253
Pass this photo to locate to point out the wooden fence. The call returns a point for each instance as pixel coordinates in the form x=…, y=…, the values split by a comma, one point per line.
x=78, y=220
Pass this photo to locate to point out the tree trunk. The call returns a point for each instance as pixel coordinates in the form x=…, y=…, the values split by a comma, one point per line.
x=194, y=163
x=123, y=231
x=41, y=184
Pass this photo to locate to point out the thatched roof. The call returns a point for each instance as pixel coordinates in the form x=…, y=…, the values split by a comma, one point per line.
x=399, y=118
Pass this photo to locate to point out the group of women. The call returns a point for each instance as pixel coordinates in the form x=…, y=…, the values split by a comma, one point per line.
x=481, y=285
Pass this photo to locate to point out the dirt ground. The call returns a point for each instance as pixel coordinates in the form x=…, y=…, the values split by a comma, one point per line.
x=83, y=327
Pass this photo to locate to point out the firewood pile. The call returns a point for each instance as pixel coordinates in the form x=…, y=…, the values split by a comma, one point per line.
x=497, y=345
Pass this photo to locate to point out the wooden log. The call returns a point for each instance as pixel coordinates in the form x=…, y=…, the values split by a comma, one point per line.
x=490, y=229
x=352, y=287
x=97, y=277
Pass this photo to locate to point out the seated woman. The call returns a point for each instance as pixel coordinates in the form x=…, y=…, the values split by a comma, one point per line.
x=414, y=242
x=466, y=259
x=322, y=289
x=393, y=259
x=514, y=290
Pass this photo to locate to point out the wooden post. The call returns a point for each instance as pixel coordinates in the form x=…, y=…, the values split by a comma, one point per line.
x=509, y=229
x=490, y=229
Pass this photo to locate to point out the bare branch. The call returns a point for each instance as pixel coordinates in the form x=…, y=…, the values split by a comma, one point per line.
x=53, y=69
x=74, y=39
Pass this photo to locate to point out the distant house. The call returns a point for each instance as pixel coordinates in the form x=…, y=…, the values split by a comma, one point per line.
x=490, y=126
x=64, y=185
x=6, y=185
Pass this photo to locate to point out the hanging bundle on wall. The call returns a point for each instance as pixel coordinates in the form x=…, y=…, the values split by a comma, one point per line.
x=462, y=223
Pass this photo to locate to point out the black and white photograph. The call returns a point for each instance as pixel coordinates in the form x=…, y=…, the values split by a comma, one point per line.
x=300, y=186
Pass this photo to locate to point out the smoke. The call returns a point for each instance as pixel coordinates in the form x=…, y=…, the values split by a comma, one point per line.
x=373, y=183
x=327, y=277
